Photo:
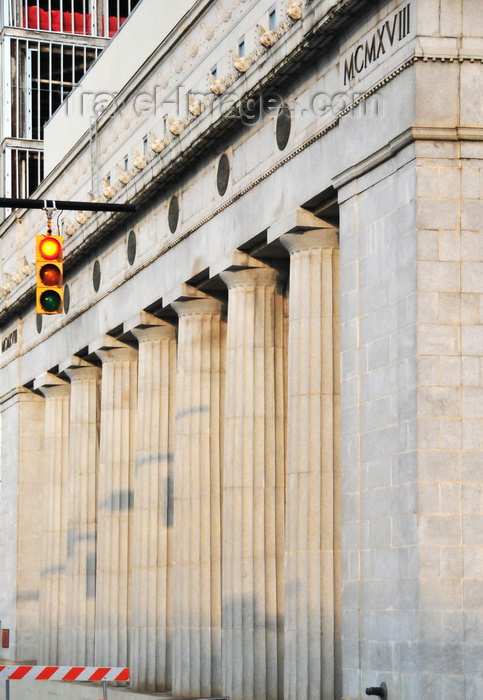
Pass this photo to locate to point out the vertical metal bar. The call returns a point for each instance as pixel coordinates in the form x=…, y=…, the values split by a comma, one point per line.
x=92, y=146
x=17, y=88
x=35, y=88
x=62, y=85
x=29, y=91
x=104, y=690
x=10, y=86
x=39, y=88
x=93, y=14
x=24, y=174
x=15, y=170
x=8, y=173
x=7, y=689
x=8, y=56
x=51, y=59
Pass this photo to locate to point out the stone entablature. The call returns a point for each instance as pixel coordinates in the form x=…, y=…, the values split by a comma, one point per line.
x=145, y=103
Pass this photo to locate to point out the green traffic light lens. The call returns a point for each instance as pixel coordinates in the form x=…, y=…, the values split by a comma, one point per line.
x=50, y=300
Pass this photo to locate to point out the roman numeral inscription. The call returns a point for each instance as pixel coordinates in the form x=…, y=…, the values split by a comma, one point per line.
x=390, y=34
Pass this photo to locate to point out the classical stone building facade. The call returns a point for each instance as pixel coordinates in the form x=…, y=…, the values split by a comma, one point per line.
x=246, y=461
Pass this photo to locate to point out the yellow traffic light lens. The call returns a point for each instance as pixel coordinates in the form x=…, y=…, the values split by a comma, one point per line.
x=49, y=248
x=50, y=275
x=50, y=301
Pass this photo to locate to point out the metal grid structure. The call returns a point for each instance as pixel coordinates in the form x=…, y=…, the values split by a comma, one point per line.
x=85, y=17
x=47, y=47
x=42, y=75
x=23, y=170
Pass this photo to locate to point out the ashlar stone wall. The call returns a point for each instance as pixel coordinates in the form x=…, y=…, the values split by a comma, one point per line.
x=450, y=412
x=379, y=428
x=411, y=424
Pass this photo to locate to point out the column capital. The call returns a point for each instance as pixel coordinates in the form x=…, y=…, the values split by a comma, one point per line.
x=51, y=386
x=239, y=269
x=297, y=221
x=182, y=291
x=144, y=326
x=309, y=240
x=19, y=393
x=186, y=306
x=237, y=260
x=110, y=349
x=248, y=276
x=78, y=369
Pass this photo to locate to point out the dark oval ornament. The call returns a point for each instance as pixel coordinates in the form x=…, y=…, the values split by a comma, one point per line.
x=173, y=214
x=66, y=298
x=223, y=174
x=131, y=247
x=96, y=276
x=284, y=124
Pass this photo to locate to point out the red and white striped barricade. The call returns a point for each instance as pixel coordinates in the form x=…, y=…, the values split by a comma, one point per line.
x=63, y=673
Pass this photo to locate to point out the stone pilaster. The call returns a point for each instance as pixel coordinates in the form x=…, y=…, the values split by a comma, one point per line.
x=151, y=558
x=197, y=510
x=82, y=493
x=54, y=644
x=311, y=586
x=115, y=498
x=253, y=477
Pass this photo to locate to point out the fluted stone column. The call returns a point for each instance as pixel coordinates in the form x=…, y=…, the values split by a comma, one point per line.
x=82, y=493
x=151, y=558
x=22, y=434
x=197, y=510
x=54, y=643
x=311, y=590
x=253, y=477
x=115, y=498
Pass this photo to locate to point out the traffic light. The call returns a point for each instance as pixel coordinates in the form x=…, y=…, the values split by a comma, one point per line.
x=49, y=281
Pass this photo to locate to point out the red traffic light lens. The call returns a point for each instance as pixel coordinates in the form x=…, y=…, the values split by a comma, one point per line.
x=50, y=248
x=50, y=301
x=50, y=275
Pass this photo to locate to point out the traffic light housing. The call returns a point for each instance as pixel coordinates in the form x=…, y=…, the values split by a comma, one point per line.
x=49, y=274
